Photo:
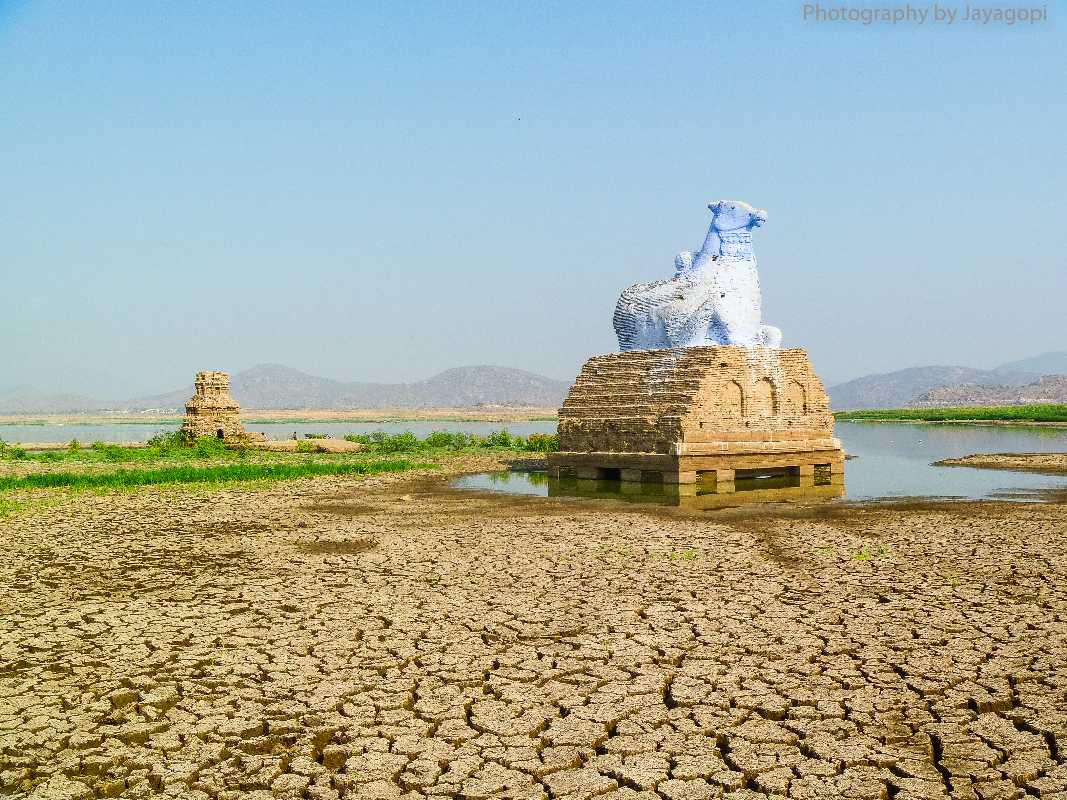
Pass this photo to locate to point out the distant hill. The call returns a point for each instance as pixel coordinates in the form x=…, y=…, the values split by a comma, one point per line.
x=1014, y=382
x=1045, y=364
x=900, y=388
x=29, y=401
x=1049, y=389
x=273, y=386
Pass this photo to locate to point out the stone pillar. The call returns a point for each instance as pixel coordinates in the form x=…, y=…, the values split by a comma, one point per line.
x=682, y=476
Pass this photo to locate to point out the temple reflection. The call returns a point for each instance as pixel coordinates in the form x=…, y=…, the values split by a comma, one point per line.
x=700, y=496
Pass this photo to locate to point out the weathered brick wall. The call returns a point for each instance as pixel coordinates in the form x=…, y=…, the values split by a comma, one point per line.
x=212, y=411
x=650, y=400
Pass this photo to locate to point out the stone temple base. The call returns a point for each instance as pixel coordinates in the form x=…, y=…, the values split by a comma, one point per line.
x=705, y=415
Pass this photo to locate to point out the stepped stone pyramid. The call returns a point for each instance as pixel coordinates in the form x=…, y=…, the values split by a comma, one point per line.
x=698, y=414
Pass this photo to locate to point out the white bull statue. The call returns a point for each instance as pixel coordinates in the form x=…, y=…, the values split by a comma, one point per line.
x=713, y=298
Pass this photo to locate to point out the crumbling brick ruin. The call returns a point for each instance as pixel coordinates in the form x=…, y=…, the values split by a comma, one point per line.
x=698, y=414
x=211, y=411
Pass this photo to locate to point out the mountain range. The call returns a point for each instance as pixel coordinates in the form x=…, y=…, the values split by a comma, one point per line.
x=1015, y=382
x=1047, y=389
x=273, y=386
x=28, y=401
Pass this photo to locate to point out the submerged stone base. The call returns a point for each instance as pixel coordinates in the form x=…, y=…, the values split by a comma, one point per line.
x=719, y=472
x=702, y=414
x=702, y=496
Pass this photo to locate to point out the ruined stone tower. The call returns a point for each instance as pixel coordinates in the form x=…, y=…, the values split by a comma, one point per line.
x=211, y=411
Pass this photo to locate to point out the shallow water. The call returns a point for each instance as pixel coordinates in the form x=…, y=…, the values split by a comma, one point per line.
x=892, y=461
x=133, y=432
x=896, y=460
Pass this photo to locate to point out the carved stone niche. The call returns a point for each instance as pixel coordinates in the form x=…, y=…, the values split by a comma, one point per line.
x=687, y=414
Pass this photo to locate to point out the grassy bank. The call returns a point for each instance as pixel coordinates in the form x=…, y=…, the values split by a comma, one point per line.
x=167, y=447
x=126, y=478
x=1017, y=414
x=170, y=448
x=30, y=479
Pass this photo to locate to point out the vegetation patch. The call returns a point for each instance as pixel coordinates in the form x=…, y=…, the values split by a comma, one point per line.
x=163, y=447
x=173, y=447
x=407, y=442
x=1034, y=413
x=10, y=507
x=123, y=478
x=866, y=553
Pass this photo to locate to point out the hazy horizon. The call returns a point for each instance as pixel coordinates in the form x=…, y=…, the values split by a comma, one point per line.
x=161, y=390
x=378, y=193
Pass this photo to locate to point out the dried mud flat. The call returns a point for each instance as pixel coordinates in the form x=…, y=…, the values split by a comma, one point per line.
x=1047, y=463
x=385, y=637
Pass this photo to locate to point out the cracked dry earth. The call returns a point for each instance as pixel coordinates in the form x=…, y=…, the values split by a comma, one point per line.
x=386, y=638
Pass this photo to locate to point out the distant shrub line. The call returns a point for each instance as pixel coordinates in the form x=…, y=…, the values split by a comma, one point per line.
x=228, y=473
x=1034, y=413
x=173, y=447
x=161, y=446
x=407, y=442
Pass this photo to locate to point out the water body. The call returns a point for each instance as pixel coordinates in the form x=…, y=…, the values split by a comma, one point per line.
x=892, y=461
x=134, y=432
x=895, y=460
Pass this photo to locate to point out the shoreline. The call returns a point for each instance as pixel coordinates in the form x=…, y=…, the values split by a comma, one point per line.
x=534, y=414
x=1010, y=423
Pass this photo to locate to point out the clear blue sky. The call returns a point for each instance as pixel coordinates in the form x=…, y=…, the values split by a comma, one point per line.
x=380, y=191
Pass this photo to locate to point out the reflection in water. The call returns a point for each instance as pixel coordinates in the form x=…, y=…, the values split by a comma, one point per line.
x=697, y=497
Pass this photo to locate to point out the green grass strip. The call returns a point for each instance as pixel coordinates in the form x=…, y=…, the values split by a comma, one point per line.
x=236, y=472
x=1047, y=412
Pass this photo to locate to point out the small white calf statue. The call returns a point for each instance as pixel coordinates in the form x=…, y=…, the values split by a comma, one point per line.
x=713, y=298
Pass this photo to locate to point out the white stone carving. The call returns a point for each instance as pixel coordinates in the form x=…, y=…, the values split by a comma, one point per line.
x=713, y=298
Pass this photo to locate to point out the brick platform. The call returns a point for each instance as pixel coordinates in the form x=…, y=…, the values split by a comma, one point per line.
x=698, y=415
